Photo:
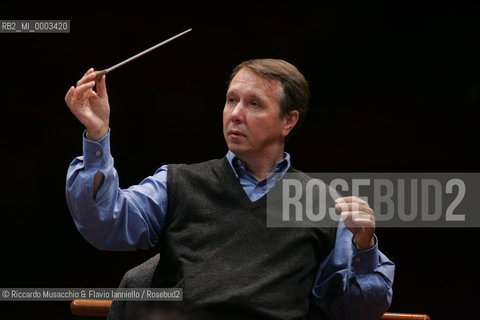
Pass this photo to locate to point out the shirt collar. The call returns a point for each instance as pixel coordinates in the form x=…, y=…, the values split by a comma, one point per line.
x=239, y=167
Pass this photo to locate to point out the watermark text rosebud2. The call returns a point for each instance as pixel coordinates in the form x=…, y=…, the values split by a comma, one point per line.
x=397, y=199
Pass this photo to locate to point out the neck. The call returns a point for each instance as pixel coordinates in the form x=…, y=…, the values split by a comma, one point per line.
x=260, y=166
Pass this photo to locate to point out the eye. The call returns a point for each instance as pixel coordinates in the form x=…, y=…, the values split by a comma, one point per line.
x=254, y=104
x=231, y=100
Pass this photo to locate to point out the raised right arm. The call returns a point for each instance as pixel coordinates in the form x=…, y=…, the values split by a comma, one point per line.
x=108, y=217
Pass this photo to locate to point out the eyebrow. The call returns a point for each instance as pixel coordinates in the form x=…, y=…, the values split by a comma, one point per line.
x=250, y=95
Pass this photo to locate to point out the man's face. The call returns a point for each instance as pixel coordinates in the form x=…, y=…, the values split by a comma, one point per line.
x=251, y=118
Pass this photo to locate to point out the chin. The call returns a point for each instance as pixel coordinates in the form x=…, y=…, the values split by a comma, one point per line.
x=235, y=148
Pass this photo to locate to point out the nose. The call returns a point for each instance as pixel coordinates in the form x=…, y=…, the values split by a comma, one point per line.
x=237, y=113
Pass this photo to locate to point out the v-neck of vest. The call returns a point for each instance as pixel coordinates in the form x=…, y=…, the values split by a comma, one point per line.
x=252, y=204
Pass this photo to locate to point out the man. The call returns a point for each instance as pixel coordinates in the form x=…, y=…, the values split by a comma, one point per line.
x=209, y=218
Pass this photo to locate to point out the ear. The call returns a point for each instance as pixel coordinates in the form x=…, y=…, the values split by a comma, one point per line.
x=290, y=120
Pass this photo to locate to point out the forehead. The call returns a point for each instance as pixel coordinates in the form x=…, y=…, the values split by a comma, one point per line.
x=249, y=81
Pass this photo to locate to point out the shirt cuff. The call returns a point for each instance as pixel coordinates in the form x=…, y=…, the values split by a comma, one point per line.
x=365, y=261
x=96, y=153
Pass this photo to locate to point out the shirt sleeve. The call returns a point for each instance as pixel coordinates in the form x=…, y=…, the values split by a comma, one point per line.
x=354, y=284
x=114, y=218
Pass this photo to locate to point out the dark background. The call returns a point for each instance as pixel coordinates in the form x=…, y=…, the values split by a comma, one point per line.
x=394, y=89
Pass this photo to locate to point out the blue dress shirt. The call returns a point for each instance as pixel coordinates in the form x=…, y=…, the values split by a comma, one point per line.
x=350, y=284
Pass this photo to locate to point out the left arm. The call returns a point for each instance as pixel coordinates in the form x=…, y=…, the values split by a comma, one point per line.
x=355, y=280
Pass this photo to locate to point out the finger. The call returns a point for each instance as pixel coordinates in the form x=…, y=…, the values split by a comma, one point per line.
x=354, y=207
x=348, y=221
x=102, y=87
x=358, y=220
x=89, y=76
x=350, y=199
x=89, y=71
x=358, y=214
x=69, y=95
x=364, y=223
x=346, y=217
x=82, y=91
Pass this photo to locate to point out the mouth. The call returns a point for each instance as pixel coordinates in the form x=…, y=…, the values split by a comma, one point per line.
x=235, y=133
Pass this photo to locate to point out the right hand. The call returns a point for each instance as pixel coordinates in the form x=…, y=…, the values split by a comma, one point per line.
x=89, y=107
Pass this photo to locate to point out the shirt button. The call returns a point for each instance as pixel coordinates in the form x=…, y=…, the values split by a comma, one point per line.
x=357, y=259
x=98, y=153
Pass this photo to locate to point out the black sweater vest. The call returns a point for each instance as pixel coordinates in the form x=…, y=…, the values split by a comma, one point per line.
x=216, y=246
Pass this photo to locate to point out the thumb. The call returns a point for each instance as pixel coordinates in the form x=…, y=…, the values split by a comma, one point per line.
x=102, y=87
x=69, y=95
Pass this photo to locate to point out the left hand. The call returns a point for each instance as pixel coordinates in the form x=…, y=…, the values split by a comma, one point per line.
x=359, y=219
